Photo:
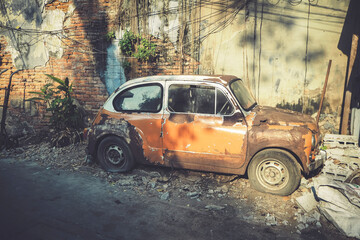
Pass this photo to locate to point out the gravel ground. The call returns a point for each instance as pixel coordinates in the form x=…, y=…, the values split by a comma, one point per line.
x=224, y=195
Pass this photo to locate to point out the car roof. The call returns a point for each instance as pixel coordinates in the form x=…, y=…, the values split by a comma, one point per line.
x=222, y=79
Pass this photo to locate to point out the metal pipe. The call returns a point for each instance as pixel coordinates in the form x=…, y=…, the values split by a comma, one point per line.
x=323, y=92
x=6, y=101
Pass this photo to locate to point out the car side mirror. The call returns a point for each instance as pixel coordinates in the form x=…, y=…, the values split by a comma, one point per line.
x=238, y=116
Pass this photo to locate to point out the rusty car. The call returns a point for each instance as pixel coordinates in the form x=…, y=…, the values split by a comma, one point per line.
x=205, y=123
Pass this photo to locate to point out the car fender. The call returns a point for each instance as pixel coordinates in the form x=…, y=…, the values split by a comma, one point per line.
x=293, y=139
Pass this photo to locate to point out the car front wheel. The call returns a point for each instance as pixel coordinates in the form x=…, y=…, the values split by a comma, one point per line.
x=114, y=155
x=274, y=171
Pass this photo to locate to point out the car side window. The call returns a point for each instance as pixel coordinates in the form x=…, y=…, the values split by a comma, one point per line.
x=198, y=99
x=144, y=98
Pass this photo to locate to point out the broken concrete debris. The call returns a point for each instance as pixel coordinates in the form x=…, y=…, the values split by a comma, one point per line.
x=193, y=195
x=214, y=207
x=270, y=220
x=306, y=219
x=307, y=202
x=334, y=193
x=340, y=204
x=343, y=156
x=165, y=196
x=208, y=191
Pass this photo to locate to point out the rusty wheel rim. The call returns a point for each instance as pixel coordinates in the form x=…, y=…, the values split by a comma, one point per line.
x=272, y=174
x=115, y=155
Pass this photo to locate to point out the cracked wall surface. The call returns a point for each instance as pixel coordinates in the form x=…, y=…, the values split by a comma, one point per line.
x=280, y=50
x=32, y=48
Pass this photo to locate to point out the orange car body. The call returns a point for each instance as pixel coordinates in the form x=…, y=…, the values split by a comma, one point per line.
x=223, y=141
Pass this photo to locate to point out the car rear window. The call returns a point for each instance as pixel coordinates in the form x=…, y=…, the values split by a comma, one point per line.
x=144, y=98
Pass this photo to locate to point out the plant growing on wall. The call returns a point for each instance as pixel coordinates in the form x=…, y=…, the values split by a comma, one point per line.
x=127, y=43
x=64, y=113
x=145, y=50
x=110, y=35
x=133, y=45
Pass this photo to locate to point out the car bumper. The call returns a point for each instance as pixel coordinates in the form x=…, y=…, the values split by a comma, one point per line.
x=319, y=160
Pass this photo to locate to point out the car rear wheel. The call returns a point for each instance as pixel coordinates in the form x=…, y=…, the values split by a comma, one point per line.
x=114, y=155
x=274, y=171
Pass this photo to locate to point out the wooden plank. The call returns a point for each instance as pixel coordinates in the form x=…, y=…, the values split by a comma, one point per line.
x=347, y=101
x=324, y=91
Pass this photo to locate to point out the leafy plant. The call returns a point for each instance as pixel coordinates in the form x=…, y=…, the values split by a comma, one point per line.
x=127, y=43
x=136, y=46
x=64, y=113
x=110, y=35
x=145, y=51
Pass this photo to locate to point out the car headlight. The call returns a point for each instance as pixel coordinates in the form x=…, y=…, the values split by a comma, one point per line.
x=313, y=142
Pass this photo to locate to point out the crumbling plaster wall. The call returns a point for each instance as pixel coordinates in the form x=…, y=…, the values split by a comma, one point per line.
x=62, y=38
x=33, y=48
x=280, y=48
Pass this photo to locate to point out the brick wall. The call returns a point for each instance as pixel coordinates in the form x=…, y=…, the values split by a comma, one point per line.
x=168, y=62
x=83, y=61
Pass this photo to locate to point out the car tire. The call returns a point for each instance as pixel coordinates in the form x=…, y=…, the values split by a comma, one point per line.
x=114, y=155
x=274, y=171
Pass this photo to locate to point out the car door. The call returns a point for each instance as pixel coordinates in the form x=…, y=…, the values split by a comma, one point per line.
x=142, y=107
x=202, y=129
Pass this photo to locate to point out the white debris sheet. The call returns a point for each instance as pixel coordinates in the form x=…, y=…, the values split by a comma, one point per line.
x=335, y=191
x=340, y=204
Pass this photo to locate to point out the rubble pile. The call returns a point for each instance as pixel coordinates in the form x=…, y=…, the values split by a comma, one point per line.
x=335, y=192
x=328, y=123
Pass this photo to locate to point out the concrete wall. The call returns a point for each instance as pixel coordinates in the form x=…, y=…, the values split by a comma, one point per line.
x=282, y=50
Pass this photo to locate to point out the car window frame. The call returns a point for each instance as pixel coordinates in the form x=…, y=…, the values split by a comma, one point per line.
x=216, y=87
x=136, y=86
x=237, y=100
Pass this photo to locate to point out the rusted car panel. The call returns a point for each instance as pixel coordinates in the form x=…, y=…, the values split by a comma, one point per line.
x=208, y=123
x=142, y=133
x=272, y=127
x=204, y=142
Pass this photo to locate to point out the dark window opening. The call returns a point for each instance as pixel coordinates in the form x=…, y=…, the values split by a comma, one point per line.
x=198, y=99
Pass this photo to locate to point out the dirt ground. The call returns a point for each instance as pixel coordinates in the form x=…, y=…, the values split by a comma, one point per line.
x=228, y=197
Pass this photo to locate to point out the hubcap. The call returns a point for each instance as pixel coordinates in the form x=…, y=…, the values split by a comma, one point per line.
x=115, y=155
x=272, y=174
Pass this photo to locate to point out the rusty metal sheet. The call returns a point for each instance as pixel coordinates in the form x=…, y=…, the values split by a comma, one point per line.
x=272, y=127
x=140, y=131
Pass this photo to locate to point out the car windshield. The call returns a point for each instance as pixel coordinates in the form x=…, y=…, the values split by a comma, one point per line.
x=242, y=94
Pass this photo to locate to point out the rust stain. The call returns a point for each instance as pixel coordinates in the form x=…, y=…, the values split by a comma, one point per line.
x=141, y=133
x=181, y=118
x=272, y=127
